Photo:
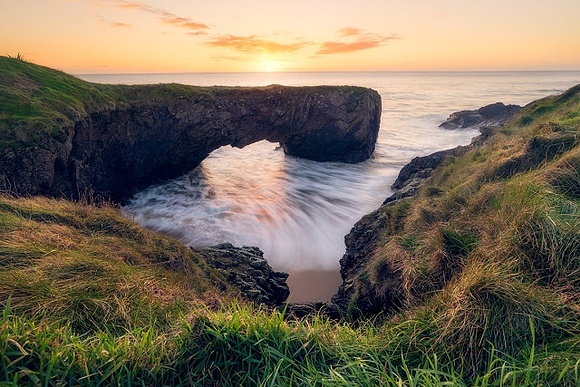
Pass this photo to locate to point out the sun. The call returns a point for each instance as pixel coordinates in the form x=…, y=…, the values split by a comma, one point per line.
x=269, y=66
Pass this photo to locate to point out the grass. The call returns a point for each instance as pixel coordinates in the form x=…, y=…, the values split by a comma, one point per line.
x=36, y=101
x=490, y=248
x=94, y=268
x=239, y=345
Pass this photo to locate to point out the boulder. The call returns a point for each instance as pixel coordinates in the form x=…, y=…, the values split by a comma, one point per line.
x=247, y=269
x=495, y=114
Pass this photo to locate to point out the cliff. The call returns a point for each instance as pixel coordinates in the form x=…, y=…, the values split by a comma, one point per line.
x=60, y=136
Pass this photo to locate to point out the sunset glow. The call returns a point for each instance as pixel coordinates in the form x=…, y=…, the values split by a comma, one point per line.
x=104, y=36
x=269, y=66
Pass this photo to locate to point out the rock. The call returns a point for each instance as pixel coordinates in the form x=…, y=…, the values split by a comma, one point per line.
x=414, y=174
x=491, y=115
x=246, y=269
x=360, y=243
x=158, y=133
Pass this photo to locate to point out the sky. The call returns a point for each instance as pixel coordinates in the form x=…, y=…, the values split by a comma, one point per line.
x=150, y=36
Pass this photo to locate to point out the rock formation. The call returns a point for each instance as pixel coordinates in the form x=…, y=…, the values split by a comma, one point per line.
x=162, y=131
x=361, y=242
x=487, y=119
x=491, y=115
x=246, y=269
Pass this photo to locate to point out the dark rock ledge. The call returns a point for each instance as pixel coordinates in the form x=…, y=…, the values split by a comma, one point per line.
x=247, y=269
x=495, y=114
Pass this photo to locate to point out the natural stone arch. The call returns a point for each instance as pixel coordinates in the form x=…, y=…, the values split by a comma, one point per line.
x=112, y=153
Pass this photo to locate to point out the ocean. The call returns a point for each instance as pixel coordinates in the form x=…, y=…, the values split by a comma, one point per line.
x=298, y=211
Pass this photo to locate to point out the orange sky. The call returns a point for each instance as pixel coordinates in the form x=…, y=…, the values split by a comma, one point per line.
x=104, y=36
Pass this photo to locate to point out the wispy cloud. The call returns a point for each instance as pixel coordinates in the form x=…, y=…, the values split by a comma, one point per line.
x=165, y=16
x=184, y=22
x=111, y=23
x=350, y=31
x=254, y=44
x=119, y=24
x=358, y=40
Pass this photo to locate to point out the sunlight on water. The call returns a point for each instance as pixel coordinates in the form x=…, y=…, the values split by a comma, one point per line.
x=298, y=211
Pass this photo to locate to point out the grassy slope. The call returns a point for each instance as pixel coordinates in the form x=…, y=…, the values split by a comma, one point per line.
x=37, y=101
x=488, y=252
x=93, y=268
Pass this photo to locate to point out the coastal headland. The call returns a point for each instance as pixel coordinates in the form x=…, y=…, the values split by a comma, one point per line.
x=468, y=275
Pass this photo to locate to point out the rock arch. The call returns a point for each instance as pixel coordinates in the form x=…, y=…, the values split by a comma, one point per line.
x=112, y=153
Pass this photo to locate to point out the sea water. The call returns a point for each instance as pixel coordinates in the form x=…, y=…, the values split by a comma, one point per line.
x=298, y=211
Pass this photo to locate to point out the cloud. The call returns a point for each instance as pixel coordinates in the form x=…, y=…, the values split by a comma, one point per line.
x=110, y=23
x=184, y=23
x=252, y=44
x=165, y=16
x=328, y=48
x=119, y=24
x=350, y=31
x=358, y=40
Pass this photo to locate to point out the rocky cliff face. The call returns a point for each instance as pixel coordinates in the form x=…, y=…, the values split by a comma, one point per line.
x=151, y=136
x=490, y=115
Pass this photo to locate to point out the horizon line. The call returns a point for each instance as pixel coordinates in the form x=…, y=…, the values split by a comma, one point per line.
x=329, y=72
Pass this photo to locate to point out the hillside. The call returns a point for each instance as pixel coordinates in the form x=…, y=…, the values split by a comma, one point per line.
x=474, y=281
x=93, y=268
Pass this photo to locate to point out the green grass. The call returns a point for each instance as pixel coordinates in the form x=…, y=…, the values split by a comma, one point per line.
x=36, y=101
x=90, y=298
x=94, y=268
x=489, y=248
x=239, y=345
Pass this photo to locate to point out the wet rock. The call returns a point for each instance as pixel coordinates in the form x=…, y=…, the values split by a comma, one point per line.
x=495, y=114
x=246, y=269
